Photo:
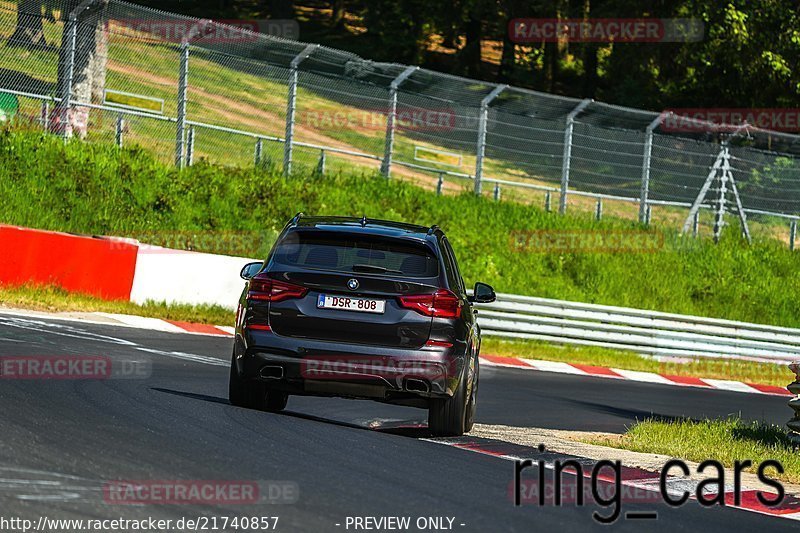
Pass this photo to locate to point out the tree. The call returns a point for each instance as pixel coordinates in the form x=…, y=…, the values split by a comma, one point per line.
x=89, y=66
x=400, y=28
x=338, y=12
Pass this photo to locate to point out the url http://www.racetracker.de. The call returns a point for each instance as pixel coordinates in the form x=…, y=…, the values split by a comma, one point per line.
x=45, y=524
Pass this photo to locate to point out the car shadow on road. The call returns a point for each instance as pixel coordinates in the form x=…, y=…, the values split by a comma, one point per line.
x=634, y=415
x=403, y=428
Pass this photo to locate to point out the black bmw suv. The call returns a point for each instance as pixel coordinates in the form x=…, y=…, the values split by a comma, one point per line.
x=359, y=308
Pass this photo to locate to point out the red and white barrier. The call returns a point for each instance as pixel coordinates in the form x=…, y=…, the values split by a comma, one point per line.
x=97, y=266
x=176, y=276
x=118, y=269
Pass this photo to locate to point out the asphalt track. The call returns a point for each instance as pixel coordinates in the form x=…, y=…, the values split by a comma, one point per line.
x=62, y=440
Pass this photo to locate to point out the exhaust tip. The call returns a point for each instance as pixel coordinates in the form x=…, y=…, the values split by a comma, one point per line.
x=271, y=371
x=417, y=385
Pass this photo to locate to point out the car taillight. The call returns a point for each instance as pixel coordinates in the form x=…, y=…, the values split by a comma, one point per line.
x=441, y=304
x=272, y=290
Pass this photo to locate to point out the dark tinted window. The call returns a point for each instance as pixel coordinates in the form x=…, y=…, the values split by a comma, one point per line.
x=454, y=276
x=345, y=252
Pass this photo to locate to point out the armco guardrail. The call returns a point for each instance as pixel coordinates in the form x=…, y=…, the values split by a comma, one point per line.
x=649, y=332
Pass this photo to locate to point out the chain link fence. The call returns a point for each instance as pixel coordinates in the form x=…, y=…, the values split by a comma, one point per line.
x=190, y=89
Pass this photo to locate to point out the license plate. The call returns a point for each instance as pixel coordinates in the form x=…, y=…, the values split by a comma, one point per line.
x=348, y=303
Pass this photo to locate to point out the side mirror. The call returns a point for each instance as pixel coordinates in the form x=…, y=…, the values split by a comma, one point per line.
x=250, y=270
x=483, y=294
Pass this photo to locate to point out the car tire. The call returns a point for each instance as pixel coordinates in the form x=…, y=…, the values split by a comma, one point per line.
x=238, y=391
x=275, y=401
x=472, y=405
x=448, y=417
x=253, y=394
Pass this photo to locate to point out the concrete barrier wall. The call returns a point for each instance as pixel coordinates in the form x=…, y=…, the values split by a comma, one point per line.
x=118, y=269
x=176, y=276
x=96, y=266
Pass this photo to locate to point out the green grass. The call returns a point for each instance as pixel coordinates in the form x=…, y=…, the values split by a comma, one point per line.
x=747, y=371
x=723, y=440
x=94, y=188
x=54, y=299
x=99, y=189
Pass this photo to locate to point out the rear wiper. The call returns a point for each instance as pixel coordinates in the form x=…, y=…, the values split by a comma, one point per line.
x=374, y=268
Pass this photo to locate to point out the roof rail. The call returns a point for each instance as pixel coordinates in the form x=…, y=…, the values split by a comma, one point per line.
x=363, y=221
x=432, y=229
x=297, y=217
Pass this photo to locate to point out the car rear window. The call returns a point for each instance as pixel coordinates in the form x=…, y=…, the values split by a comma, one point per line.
x=344, y=252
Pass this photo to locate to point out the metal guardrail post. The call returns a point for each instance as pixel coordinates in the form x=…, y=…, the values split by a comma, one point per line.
x=794, y=403
x=695, y=224
x=496, y=192
x=547, y=201
x=291, y=105
x=440, y=184
x=119, y=132
x=792, y=234
x=562, y=202
x=386, y=164
x=598, y=211
x=648, y=215
x=183, y=88
x=482, y=125
x=190, y=147
x=648, y=153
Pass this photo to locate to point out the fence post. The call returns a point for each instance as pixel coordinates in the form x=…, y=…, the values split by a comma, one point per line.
x=45, y=114
x=291, y=105
x=190, y=147
x=183, y=87
x=66, y=95
x=259, y=151
x=696, y=224
x=440, y=184
x=120, y=130
x=321, y=163
x=547, y=201
x=648, y=153
x=482, y=125
x=386, y=164
x=496, y=192
x=792, y=234
x=598, y=210
x=562, y=202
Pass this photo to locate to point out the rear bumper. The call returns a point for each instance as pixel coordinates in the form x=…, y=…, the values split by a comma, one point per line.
x=309, y=367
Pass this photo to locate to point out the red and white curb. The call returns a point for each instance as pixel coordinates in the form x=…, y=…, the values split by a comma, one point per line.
x=636, y=479
x=632, y=375
x=168, y=326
